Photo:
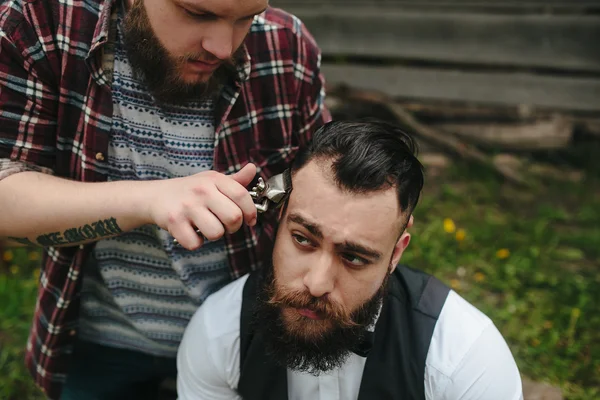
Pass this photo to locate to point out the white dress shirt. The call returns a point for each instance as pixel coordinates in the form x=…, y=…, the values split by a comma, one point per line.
x=468, y=358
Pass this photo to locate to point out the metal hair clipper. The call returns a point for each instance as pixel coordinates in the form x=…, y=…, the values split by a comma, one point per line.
x=273, y=191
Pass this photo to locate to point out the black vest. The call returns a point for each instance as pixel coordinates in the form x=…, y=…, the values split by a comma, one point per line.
x=395, y=366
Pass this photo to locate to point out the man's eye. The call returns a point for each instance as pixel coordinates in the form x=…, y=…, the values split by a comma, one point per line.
x=355, y=260
x=197, y=16
x=301, y=240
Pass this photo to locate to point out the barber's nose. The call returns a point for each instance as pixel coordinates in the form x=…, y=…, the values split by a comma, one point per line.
x=320, y=278
x=220, y=42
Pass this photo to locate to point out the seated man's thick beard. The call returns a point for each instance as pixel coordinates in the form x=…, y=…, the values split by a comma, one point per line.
x=151, y=62
x=305, y=349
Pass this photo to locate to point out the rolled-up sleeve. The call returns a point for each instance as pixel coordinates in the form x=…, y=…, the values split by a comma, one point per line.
x=9, y=167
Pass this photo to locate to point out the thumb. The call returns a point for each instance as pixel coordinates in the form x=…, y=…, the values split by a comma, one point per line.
x=245, y=175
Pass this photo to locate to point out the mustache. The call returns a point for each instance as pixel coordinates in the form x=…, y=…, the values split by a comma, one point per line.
x=235, y=58
x=325, y=308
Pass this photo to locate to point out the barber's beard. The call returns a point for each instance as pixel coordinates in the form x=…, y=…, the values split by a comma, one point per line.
x=161, y=71
x=305, y=345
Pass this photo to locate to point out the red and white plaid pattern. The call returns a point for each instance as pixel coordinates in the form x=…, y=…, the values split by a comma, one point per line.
x=55, y=116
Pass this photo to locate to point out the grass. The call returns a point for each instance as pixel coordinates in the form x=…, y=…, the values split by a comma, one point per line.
x=18, y=288
x=528, y=259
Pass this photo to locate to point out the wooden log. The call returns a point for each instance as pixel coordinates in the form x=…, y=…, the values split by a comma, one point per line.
x=552, y=134
x=459, y=112
x=442, y=140
x=590, y=126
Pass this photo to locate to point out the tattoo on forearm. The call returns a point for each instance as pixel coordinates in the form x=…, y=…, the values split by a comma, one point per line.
x=24, y=241
x=96, y=230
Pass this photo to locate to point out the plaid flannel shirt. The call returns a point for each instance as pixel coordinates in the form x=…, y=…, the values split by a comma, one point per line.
x=56, y=113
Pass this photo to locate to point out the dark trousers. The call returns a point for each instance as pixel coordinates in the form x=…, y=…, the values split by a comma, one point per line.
x=106, y=373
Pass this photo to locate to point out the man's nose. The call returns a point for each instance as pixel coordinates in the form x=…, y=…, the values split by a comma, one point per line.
x=320, y=278
x=220, y=41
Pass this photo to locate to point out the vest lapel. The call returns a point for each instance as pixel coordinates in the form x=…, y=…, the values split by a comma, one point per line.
x=376, y=378
x=261, y=378
x=395, y=367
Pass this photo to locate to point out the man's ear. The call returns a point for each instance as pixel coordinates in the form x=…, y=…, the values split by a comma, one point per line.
x=401, y=245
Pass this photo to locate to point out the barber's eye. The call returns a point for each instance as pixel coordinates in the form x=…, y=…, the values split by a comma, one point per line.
x=202, y=17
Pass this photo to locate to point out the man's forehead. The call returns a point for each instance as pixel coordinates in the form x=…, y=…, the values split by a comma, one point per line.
x=318, y=197
x=228, y=8
x=318, y=176
x=314, y=170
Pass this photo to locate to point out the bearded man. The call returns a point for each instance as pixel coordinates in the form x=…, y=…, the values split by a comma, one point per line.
x=333, y=316
x=124, y=127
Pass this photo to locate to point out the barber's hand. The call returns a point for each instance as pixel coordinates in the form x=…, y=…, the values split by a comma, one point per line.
x=210, y=201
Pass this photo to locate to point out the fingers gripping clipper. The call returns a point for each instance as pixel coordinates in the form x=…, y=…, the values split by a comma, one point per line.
x=272, y=192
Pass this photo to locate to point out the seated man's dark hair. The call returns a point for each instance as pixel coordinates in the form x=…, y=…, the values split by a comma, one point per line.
x=368, y=156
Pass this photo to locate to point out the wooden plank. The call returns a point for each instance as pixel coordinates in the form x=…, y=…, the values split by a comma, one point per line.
x=508, y=6
x=500, y=88
x=561, y=42
x=435, y=3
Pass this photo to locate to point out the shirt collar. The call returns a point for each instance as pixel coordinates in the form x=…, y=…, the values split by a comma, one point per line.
x=102, y=26
x=244, y=65
x=363, y=348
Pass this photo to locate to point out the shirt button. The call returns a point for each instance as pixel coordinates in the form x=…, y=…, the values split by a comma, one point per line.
x=99, y=156
x=72, y=332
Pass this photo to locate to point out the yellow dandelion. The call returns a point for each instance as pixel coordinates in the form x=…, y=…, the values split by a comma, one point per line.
x=36, y=274
x=455, y=284
x=34, y=256
x=548, y=324
x=8, y=256
x=460, y=235
x=535, y=342
x=502, y=254
x=479, y=277
x=14, y=269
x=449, y=225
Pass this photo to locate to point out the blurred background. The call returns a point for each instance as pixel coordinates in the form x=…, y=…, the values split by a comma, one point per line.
x=504, y=99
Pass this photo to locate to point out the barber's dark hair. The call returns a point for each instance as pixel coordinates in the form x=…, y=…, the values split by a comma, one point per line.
x=368, y=155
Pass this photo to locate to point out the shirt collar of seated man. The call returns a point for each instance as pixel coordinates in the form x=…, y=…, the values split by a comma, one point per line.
x=342, y=232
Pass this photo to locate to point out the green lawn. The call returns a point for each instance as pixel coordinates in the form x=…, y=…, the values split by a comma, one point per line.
x=530, y=259
x=18, y=287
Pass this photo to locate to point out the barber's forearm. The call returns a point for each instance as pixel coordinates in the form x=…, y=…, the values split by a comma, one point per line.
x=51, y=211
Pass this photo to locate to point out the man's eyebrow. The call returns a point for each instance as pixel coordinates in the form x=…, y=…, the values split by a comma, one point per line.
x=356, y=248
x=199, y=9
x=310, y=226
x=347, y=246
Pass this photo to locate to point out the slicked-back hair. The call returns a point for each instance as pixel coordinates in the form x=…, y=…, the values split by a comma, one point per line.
x=368, y=156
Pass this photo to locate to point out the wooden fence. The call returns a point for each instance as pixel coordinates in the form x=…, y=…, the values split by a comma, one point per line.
x=538, y=53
